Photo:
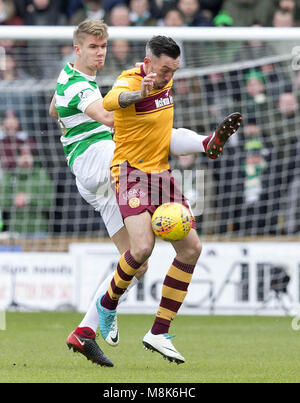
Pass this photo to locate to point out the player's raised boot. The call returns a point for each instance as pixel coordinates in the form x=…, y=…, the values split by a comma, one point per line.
x=84, y=343
x=108, y=324
x=162, y=344
x=215, y=143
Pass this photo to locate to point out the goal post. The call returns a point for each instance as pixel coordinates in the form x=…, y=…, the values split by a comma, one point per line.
x=251, y=192
x=187, y=34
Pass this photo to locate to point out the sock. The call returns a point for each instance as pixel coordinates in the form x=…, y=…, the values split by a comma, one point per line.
x=85, y=332
x=174, y=291
x=91, y=318
x=185, y=141
x=126, y=269
x=133, y=283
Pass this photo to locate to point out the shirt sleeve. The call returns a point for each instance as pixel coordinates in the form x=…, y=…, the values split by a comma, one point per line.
x=87, y=97
x=111, y=99
x=83, y=95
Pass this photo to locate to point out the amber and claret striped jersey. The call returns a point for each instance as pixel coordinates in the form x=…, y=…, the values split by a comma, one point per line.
x=142, y=130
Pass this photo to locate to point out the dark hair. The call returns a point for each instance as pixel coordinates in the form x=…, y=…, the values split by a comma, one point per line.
x=162, y=45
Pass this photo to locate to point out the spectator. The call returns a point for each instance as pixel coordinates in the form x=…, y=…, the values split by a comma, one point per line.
x=11, y=138
x=276, y=79
x=160, y=7
x=217, y=52
x=20, y=194
x=188, y=104
x=218, y=96
x=193, y=16
x=252, y=219
x=255, y=85
x=15, y=97
x=8, y=13
x=109, y=4
x=44, y=12
x=292, y=207
x=283, y=18
x=119, y=16
x=121, y=57
x=245, y=13
x=66, y=54
x=70, y=7
x=41, y=61
x=174, y=18
x=140, y=14
x=288, y=5
x=90, y=10
x=255, y=101
x=286, y=120
x=254, y=49
x=211, y=7
x=10, y=73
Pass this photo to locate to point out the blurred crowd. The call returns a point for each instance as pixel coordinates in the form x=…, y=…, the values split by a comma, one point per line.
x=151, y=12
x=28, y=59
x=253, y=189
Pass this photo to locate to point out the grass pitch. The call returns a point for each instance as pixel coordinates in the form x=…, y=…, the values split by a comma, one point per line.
x=216, y=348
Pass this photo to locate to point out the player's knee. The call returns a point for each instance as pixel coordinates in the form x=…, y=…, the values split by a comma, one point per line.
x=193, y=253
x=141, y=252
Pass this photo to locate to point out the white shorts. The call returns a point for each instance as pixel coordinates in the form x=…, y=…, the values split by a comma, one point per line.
x=92, y=171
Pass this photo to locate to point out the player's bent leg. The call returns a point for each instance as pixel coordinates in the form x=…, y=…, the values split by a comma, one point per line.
x=110, y=213
x=174, y=291
x=185, y=141
x=141, y=236
x=222, y=133
x=189, y=249
x=107, y=319
x=121, y=240
x=108, y=323
x=127, y=268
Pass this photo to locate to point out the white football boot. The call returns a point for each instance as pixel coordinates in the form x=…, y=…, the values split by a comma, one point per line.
x=163, y=345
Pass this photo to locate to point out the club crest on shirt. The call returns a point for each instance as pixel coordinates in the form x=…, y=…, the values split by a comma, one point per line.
x=134, y=202
x=84, y=94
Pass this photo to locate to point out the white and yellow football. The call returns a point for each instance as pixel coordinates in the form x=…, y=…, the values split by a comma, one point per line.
x=171, y=221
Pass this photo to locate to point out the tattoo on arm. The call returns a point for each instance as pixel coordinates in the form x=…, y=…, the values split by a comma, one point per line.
x=129, y=98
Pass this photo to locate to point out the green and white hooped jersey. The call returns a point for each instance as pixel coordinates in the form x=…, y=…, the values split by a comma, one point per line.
x=75, y=91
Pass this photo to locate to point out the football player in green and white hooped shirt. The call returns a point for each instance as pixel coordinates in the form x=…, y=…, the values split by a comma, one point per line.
x=89, y=148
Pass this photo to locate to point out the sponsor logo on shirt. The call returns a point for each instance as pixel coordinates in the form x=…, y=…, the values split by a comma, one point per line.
x=154, y=103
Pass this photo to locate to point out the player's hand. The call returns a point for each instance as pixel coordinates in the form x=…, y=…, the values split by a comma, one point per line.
x=147, y=84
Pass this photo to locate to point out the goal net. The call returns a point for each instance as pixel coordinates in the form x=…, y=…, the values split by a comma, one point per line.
x=251, y=192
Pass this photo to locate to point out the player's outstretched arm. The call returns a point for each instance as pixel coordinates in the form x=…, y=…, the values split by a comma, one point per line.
x=96, y=112
x=52, y=110
x=119, y=97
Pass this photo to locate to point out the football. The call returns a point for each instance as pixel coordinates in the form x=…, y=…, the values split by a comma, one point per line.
x=171, y=221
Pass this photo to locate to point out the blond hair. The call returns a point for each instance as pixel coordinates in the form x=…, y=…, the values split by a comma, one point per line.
x=97, y=28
